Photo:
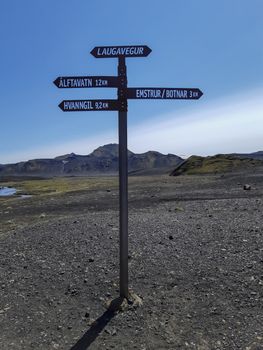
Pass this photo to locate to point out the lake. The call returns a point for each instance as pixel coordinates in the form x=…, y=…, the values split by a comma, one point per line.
x=7, y=191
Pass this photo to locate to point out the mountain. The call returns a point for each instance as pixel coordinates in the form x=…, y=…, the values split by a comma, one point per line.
x=220, y=163
x=103, y=160
x=254, y=155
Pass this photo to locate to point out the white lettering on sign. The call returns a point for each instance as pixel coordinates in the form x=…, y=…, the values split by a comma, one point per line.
x=101, y=82
x=118, y=51
x=101, y=105
x=162, y=93
x=148, y=93
x=77, y=105
x=193, y=94
x=75, y=82
x=175, y=93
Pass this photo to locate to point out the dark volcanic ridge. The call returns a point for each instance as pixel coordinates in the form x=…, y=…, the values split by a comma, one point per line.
x=103, y=160
x=255, y=155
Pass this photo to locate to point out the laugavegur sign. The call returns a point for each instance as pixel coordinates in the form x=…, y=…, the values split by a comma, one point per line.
x=116, y=51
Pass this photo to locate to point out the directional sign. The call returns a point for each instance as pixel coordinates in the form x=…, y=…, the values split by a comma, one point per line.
x=91, y=105
x=117, y=51
x=163, y=93
x=120, y=105
x=87, y=82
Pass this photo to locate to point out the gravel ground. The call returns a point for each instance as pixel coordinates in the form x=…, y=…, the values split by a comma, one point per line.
x=195, y=260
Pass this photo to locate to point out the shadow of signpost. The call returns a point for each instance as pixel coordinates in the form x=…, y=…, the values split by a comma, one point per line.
x=90, y=336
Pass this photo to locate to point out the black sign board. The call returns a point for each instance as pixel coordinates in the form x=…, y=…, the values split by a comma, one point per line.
x=87, y=82
x=163, y=93
x=117, y=51
x=91, y=105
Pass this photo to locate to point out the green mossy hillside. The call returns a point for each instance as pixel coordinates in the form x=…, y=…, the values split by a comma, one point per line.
x=219, y=163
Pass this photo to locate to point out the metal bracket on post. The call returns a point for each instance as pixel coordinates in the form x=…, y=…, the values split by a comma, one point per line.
x=122, y=74
x=123, y=179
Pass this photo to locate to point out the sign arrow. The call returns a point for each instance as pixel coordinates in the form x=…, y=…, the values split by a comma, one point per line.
x=117, y=51
x=92, y=105
x=87, y=82
x=163, y=93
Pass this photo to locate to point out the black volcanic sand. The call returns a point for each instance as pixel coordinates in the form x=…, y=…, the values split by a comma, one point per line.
x=196, y=258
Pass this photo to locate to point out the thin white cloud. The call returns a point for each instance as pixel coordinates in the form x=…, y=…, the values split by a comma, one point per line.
x=233, y=124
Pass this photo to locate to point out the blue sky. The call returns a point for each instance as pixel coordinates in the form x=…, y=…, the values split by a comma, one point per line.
x=212, y=45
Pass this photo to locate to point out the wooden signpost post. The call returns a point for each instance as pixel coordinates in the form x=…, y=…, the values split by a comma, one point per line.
x=120, y=105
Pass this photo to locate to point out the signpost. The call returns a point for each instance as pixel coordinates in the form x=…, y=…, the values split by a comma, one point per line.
x=87, y=82
x=120, y=105
x=91, y=105
x=118, y=51
x=163, y=93
x=123, y=183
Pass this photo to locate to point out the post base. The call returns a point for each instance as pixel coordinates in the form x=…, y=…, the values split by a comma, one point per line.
x=123, y=304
